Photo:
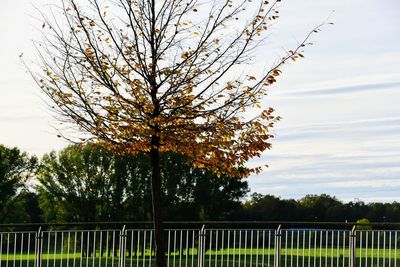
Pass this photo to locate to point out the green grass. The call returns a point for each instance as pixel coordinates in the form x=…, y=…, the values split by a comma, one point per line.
x=221, y=258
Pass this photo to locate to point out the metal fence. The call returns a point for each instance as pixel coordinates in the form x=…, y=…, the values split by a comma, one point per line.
x=205, y=247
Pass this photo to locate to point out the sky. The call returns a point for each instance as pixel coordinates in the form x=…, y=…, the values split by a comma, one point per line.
x=340, y=132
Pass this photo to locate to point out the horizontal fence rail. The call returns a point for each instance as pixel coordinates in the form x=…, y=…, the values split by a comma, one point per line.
x=202, y=247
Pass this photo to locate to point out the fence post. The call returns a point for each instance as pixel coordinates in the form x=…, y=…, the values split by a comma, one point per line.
x=38, y=247
x=202, y=245
x=278, y=239
x=353, y=246
x=122, y=246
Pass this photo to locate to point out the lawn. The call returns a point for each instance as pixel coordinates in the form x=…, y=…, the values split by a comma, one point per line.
x=221, y=258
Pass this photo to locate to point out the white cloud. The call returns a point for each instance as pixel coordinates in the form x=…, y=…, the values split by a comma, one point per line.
x=364, y=183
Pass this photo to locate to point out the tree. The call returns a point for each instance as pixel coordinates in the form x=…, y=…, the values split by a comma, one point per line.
x=78, y=185
x=268, y=208
x=196, y=194
x=16, y=168
x=318, y=206
x=356, y=210
x=147, y=76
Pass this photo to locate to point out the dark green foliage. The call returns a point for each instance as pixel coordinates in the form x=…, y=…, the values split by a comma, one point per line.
x=321, y=208
x=269, y=208
x=88, y=183
x=16, y=168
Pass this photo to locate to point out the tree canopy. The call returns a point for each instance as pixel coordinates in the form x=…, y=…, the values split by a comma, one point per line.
x=16, y=168
x=166, y=75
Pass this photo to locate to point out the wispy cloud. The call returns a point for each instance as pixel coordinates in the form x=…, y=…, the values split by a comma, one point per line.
x=340, y=90
x=364, y=183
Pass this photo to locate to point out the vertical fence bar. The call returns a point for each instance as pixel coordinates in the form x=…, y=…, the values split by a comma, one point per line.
x=1, y=247
x=130, y=249
x=144, y=248
x=210, y=247
x=122, y=246
x=101, y=247
x=278, y=236
x=353, y=240
x=309, y=248
x=395, y=249
x=366, y=249
x=180, y=248
x=68, y=244
x=138, y=249
x=390, y=249
x=269, y=247
x=29, y=247
x=321, y=234
x=315, y=248
x=234, y=248
x=201, y=254
x=258, y=239
x=187, y=248
x=168, y=247
x=361, y=247
x=384, y=248
x=62, y=249
x=344, y=248
x=193, y=237
x=38, y=247
x=228, y=242
x=240, y=247
x=150, y=246
x=372, y=253
x=222, y=247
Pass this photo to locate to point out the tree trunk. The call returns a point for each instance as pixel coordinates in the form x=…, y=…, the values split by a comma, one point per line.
x=157, y=208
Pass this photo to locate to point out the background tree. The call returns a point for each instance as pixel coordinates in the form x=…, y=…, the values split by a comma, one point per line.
x=77, y=185
x=269, y=208
x=147, y=76
x=196, y=194
x=16, y=168
x=318, y=206
x=357, y=210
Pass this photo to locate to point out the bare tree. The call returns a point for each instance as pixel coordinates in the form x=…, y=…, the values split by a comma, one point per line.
x=147, y=76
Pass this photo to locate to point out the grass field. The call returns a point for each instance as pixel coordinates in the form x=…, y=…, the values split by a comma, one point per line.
x=221, y=258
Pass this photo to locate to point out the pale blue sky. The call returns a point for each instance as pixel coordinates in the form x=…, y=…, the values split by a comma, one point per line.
x=340, y=132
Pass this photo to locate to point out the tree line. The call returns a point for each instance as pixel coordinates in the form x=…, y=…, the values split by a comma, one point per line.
x=87, y=183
